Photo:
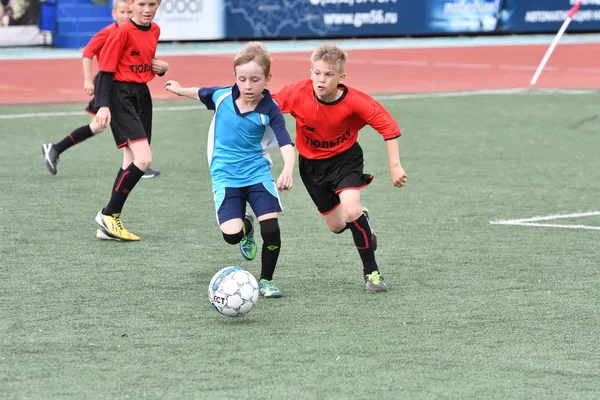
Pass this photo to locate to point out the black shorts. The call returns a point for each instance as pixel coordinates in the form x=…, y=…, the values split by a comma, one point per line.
x=92, y=108
x=325, y=179
x=131, y=112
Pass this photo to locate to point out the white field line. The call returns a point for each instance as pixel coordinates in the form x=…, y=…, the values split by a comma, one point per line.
x=522, y=91
x=553, y=225
x=548, y=217
x=80, y=113
x=533, y=221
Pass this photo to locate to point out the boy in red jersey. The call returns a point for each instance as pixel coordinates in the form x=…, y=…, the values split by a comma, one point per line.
x=124, y=101
x=328, y=117
x=121, y=13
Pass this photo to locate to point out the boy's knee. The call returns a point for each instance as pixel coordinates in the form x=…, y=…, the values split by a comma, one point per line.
x=337, y=230
x=352, y=214
x=233, y=239
x=143, y=163
x=335, y=226
x=96, y=128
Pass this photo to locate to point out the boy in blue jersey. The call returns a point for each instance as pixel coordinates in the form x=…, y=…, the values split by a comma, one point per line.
x=247, y=121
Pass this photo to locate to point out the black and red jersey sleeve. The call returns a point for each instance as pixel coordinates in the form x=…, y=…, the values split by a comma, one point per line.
x=374, y=114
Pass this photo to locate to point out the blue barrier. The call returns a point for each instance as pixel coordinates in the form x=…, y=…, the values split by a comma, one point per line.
x=47, y=20
x=73, y=22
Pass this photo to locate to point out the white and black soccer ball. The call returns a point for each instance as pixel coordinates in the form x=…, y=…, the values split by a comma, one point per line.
x=233, y=291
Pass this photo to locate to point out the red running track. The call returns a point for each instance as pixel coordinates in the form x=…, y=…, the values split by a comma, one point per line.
x=572, y=66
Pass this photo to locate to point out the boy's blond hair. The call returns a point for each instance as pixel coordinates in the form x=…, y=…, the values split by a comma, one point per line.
x=117, y=2
x=254, y=51
x=332, y=55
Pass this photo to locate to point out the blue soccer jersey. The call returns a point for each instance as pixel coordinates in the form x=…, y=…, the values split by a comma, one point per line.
x=237, y=143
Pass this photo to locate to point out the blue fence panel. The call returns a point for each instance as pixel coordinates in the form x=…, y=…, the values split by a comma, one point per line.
x=77, y=21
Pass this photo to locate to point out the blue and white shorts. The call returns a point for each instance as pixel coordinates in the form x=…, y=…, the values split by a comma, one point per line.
x=230, y=203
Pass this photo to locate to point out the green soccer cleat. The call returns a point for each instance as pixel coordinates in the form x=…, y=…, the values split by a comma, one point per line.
x=374, y=283
x=248, y=244
x=268, y=289
x=365, y=211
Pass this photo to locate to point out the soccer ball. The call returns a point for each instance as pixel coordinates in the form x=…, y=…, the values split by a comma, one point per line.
x=233, y=291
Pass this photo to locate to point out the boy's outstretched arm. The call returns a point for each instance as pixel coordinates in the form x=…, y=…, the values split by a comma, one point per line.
x=175, y=87
x=397, y=173
x=285, y=180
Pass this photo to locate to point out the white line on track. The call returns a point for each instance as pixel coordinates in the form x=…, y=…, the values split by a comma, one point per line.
x=520, y=91
x=450, y=65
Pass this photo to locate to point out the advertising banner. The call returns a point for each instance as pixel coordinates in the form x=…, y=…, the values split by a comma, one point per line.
x=197, y=20
x=548, y=15
x=461, y=16
x=191, y=20
x=314, y=18
x=360, y=18
x=18, y=23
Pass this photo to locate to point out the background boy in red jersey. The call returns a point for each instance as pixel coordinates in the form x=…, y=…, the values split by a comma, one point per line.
x=121, y=13
x=328, y=117
x=124, y=101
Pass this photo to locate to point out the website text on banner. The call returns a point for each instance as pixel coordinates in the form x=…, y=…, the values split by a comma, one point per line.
x=359, y=18
x=317, y=18
x=18, y=23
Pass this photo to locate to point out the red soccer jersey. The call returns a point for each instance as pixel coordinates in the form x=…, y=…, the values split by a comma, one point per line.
x=97, y=42
x=129, y=51
x=324, y=130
